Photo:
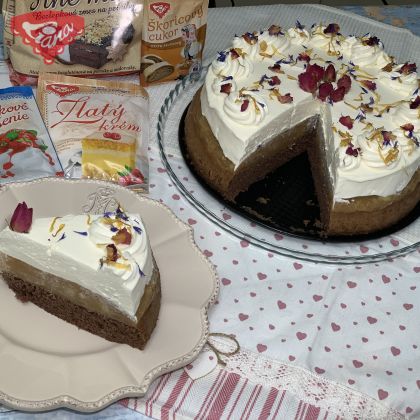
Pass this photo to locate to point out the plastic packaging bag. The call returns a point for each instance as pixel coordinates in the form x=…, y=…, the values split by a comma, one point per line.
x=26, y=150
x=100, y=129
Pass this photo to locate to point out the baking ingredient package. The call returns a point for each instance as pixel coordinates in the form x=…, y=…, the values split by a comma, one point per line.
x=99, y=128
x=26, y=150
x=174, y=32
x=73, y=37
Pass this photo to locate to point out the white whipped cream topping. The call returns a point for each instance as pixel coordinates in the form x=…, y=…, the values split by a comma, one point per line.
x=403, y=84
x=240, y=132
x=255, y=111
x=76, y=257
x=239, y=67
x=249, y=48
x=277, y=45
x=298, y=36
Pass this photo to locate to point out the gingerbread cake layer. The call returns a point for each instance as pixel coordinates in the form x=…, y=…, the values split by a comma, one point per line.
x=81, y=307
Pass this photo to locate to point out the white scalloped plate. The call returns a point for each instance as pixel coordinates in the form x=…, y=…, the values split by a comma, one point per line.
x=46, y=363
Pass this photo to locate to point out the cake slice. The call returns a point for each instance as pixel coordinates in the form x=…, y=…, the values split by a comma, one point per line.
x=94, y=271
x=107, y=155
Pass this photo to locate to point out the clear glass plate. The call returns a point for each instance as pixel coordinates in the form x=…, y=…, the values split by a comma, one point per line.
x=399, y=243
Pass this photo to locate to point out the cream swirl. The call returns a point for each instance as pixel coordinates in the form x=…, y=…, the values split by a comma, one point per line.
x=232, y=63
x=247, y=108
x=219, y=82
x=273, y=44
x=132, y=256
x=377, y=155
x=298, y=36
x=251, y=49
x=404, y=84
x=348, y=161
x=407, y=141
x=328, y=43
x=403, y=114
x=368, y=55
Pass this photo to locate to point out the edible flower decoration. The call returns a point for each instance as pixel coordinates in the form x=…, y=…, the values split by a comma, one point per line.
x=347, y=121
x=112, y=255
x=272, y=81
x=250, y=38
x=387, y=146
x=275, y=30
x=276, y=68
x=408, y=127
x=332, y=29
x=387, y=137
x=368, y=84
x=21, y=221
x=408, y=68
x=283, y=99
x=415, y=104
x=371, y=41
x=346, y=141
x=388, y=67
x=123, y=236
x=316, y=78
x=304, y=56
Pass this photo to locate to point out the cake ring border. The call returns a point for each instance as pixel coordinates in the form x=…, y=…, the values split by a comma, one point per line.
x=193, y=82
x=69, y=402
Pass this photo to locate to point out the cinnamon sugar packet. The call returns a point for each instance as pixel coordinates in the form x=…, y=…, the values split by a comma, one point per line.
x=173, y=39
x=26, y=150
x=73, y=37
x=99, y=128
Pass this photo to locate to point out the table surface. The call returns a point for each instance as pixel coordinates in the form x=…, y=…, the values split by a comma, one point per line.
x=309, y=334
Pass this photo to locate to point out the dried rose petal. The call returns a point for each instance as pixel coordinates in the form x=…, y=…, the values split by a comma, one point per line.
x=123, y=236
x=317, y=72
x=285, y=99
x=274, y=30
x=344, y=82
x=226, y=88
x=337, y=95
x=353, y=151
x=244, y=105
x=250, y=38
x=368, y=84
x=234, y=54
x=332, y=28
x=325, y=90
x=21, y=220
x=373, y=40
x=307, y=82
x=408, y=127
x=329, y=75
x=275, y=67
x=303, y=56
x=415, y=104
x=387, y=136
x=408, y=68
x=274, y=81
x=388, y=67
x=111, y=252
x=347, y=121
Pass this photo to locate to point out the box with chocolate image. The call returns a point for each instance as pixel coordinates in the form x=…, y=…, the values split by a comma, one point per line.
x=104, y=40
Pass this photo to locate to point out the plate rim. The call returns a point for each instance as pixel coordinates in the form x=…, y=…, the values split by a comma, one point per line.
x=69, y=402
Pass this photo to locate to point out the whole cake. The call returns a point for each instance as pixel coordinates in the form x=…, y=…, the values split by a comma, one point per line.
x=94, y=271
x=342, y=99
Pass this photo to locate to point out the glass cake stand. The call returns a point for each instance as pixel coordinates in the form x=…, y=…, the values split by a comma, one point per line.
x=298, y=243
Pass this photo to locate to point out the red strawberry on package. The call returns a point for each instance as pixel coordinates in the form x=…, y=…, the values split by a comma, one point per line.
x=26, y=149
